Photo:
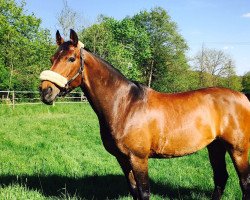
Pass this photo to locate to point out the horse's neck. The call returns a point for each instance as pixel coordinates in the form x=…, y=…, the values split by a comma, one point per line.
x=105, y=88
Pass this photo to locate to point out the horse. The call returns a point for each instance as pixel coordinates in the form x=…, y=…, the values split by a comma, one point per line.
x=138, y=123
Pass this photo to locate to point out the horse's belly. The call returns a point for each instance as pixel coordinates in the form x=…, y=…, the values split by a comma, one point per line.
x=183, y=143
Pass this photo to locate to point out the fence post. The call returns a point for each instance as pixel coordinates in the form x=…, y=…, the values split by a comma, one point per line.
x=81, y=96
x=13, y=99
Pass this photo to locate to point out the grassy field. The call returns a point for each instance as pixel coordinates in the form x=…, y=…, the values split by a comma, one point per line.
x=56, y=153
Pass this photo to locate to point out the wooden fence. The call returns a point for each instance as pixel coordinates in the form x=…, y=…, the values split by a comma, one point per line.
x=15, y=98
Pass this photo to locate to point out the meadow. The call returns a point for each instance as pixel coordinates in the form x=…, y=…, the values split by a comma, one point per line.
x=55, y=152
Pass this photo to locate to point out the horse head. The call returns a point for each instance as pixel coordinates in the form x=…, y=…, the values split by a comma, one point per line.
x=66, y=72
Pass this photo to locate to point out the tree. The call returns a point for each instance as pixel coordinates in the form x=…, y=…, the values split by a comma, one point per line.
x=246, y=82
x=67, y=18
x=166, y=68
x=24, y=47
x=146, y=47
x=230, y=79
x=216, y=68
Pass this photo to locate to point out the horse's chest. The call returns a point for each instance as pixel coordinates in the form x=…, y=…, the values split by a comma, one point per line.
x=109, y=143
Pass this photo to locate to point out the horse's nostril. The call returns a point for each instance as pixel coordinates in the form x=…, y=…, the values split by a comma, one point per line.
x=49, y=89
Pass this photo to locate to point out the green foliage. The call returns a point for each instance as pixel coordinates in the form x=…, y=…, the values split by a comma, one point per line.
x=246, y=82
x=233, y=82
x=119, y=42
x=166, y=68
x=24, y=47
x=145, y=47
x=216, y=68
x=4, y=77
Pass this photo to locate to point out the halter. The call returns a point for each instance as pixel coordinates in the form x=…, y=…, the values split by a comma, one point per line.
x=58, y=79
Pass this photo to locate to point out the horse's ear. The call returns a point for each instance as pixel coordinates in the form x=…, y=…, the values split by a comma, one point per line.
x=59, y=39
x=73, y=37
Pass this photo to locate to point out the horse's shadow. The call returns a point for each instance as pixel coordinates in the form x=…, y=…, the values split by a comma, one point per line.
x=94, y=187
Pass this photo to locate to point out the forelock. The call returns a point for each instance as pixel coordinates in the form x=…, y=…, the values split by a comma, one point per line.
x=65, y=46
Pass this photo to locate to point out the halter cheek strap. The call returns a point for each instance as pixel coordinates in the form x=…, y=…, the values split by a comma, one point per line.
x=61, y=81
x=80, y=69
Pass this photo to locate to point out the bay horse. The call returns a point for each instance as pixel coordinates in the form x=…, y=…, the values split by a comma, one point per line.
x=138, y=123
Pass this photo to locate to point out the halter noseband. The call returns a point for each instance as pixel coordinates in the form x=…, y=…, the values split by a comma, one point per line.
x=61, y=81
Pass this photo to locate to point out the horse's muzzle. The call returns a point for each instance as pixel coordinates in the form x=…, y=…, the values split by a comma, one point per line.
x=48, y=92
x=47, y=96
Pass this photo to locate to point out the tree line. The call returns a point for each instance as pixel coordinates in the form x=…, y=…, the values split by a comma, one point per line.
x=146, y=47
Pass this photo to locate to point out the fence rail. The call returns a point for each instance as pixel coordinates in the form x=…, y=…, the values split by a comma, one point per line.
x=14, y=98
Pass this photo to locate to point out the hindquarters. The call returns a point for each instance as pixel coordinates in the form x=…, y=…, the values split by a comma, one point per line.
x=235, y=132
x=234, y=125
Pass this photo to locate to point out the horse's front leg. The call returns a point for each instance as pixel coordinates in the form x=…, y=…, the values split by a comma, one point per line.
x=127, y=170
x=140, y=172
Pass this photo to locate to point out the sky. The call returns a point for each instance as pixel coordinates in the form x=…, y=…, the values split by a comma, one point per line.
x=217, y=24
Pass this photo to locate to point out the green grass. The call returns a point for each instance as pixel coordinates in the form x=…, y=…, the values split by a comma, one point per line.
x=55, y=152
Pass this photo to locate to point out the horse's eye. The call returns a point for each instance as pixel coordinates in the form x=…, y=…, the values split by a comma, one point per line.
x=71, y=59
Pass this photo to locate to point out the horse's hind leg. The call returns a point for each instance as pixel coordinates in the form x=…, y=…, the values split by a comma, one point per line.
x=217, y=153
x=240, y=160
